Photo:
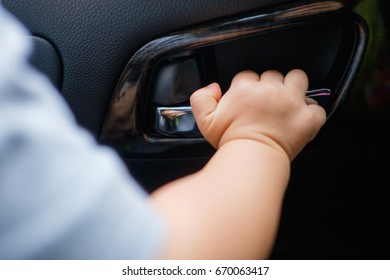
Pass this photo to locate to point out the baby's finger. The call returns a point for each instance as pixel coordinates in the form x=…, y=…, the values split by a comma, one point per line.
x=310, y=101
x=204, y=101
x=246, y=75
x=272, y=76
x=297, y=81
x=318, y=118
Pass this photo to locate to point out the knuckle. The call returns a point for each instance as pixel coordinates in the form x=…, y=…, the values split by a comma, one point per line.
x=272, y=72
x=298, y=74
x=244, y=75
x=243, y=85
x=245, y=72
x=270, y=88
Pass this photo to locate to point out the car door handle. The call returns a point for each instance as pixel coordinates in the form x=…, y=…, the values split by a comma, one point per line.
x=176, y=121
x=149, y=115
x=179, y=121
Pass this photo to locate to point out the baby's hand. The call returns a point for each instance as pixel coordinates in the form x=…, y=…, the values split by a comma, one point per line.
x=270, y=108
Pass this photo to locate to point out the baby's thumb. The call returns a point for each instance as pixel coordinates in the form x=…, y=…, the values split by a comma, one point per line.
x=204, y=101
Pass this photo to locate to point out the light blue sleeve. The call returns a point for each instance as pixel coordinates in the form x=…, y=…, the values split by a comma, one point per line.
x=62, y=196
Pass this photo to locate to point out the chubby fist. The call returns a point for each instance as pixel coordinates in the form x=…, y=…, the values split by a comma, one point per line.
x=269, y=108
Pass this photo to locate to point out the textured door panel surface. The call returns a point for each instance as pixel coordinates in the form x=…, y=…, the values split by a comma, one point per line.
x=337, y=203
x=96, y=39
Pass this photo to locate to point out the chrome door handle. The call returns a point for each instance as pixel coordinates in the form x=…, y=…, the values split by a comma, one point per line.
x=176, y=121
x=180, y=122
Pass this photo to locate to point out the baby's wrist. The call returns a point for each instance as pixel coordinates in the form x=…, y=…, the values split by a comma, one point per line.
x=262, y=140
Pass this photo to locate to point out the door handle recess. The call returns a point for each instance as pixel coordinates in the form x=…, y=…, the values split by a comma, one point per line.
x=146, y=119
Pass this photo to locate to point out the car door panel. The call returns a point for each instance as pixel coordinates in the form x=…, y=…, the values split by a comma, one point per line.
x=336, y=205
